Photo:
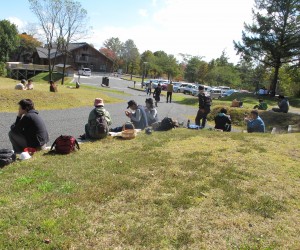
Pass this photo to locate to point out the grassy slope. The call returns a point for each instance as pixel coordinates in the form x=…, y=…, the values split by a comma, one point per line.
x=66, y=97
x=180, y=189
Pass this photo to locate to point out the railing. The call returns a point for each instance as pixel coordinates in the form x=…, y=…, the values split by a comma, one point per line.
x=17, y=65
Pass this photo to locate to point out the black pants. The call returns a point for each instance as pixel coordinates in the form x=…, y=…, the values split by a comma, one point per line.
x=201, y=115
x=169, y=96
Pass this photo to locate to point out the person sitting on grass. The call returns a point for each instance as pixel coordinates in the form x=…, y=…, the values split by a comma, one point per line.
x=137, y=115
x=21, y=85
x=254, y=123
x=29, y=130
x=151, y=111
x=29, y=85
x=53, y=87
x=283, y=105
x=262, y=105
x=98, y=122
x=223, y=121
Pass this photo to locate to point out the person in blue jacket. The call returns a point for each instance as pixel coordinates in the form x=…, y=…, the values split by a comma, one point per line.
x=254, y=123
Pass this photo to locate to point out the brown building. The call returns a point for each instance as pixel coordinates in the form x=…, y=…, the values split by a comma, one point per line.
x=80, y=55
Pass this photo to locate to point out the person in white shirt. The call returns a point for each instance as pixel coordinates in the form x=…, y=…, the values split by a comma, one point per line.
x=21, y=85
x=151, y=111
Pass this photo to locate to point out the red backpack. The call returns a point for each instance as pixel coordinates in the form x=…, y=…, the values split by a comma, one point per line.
x=65, y=144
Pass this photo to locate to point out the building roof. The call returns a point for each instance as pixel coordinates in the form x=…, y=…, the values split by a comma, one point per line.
x=43, y=51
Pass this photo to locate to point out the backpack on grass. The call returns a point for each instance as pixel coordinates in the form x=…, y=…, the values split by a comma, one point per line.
x=7, y=156
x=100, y=129
x=167, y=124
x=65, y=144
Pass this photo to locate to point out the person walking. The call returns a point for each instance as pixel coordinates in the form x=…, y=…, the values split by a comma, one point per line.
x=149, y=88
x=169, y=91
x=156, y=94
x=204, y=107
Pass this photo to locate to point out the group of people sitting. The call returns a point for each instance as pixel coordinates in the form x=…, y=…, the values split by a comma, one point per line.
x=283, y=105
x=23, y=85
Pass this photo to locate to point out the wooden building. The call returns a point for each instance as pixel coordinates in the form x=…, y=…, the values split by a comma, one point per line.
x=80, y=55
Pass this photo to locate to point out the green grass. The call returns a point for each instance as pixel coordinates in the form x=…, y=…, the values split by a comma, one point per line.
x=66, y=97
x=180, y=189
x=271, y=119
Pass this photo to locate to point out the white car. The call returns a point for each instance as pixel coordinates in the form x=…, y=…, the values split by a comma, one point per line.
x=216, y=93
x=85, y=72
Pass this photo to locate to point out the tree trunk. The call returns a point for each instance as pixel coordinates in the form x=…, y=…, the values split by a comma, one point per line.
x=275, y=79
x=49, y=64
x=64, y=69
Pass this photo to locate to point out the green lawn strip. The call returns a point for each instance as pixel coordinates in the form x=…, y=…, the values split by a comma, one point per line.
x=176, y=189
x=66, y=97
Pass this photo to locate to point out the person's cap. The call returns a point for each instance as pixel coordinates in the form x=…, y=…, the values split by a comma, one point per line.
x=98, y=102
x=25, y=156
x=255, y=112
x=201, y=88
x=23, y=81
x=131, y=102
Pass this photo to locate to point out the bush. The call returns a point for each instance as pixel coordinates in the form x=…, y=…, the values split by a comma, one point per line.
x=3, y=71
x=237, y=114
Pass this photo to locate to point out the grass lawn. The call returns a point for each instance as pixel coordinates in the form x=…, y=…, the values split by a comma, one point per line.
x=181, y=189
x=66, y=97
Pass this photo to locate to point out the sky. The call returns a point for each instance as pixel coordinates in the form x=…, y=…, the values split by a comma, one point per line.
x=197, y=27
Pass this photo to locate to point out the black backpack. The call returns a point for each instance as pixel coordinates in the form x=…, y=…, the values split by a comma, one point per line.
x=166, y=124
x=100, y=128
x=7, y=156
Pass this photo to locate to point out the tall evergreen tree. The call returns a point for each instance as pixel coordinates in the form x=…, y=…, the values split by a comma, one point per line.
x=273, y=38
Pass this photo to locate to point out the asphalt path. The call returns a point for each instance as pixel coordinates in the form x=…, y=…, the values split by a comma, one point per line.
x=72, y=121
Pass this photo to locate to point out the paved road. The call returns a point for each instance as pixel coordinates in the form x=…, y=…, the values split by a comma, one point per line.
x=72, y=121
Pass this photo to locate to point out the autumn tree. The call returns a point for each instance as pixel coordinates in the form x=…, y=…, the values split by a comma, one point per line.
x=26, y=47
x=273, y=38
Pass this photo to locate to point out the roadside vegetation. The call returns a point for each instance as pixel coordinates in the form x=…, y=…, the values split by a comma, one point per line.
x=66, y=97
x=181, y=189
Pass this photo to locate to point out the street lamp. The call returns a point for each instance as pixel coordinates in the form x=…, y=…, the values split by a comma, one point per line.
x=144, y=67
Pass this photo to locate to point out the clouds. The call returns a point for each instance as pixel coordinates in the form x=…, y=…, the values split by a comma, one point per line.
x=18, y=22
x=143, y=12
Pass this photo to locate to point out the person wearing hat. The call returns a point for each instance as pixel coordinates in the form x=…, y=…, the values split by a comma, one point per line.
x=94, y=123
x=254, y=123
x=151, y=111
x=29, y=130
x=283, y=105
x=21, y=85
x=137, y=115
x=204, y=107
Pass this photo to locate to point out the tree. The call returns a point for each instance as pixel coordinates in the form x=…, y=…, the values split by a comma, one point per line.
x=131, y=56
x=273, y=38
x=114, y=44
x=72, y=26
x=26, y=48
x=9, y=39
x=196, y=70
x=47, y=13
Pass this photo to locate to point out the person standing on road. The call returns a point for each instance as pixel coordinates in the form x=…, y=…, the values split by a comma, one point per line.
x=149, y=88
x=156, y=94
x=169, y=91
x=29, y=130
x=204, y=107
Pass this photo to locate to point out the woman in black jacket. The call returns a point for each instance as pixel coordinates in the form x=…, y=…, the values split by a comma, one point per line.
x=29, y=130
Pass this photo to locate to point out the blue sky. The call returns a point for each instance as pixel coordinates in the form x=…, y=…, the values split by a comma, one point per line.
x=197, y=27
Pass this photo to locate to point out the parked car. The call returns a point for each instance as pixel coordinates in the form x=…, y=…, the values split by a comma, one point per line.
x=229, y=92
x=176, y=86
x=207, y=90
x=164, y=84
x=189, y=88
x=216, y=93
x=85, y=72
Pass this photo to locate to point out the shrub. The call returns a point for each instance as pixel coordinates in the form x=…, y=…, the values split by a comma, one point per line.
x=3, y=71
